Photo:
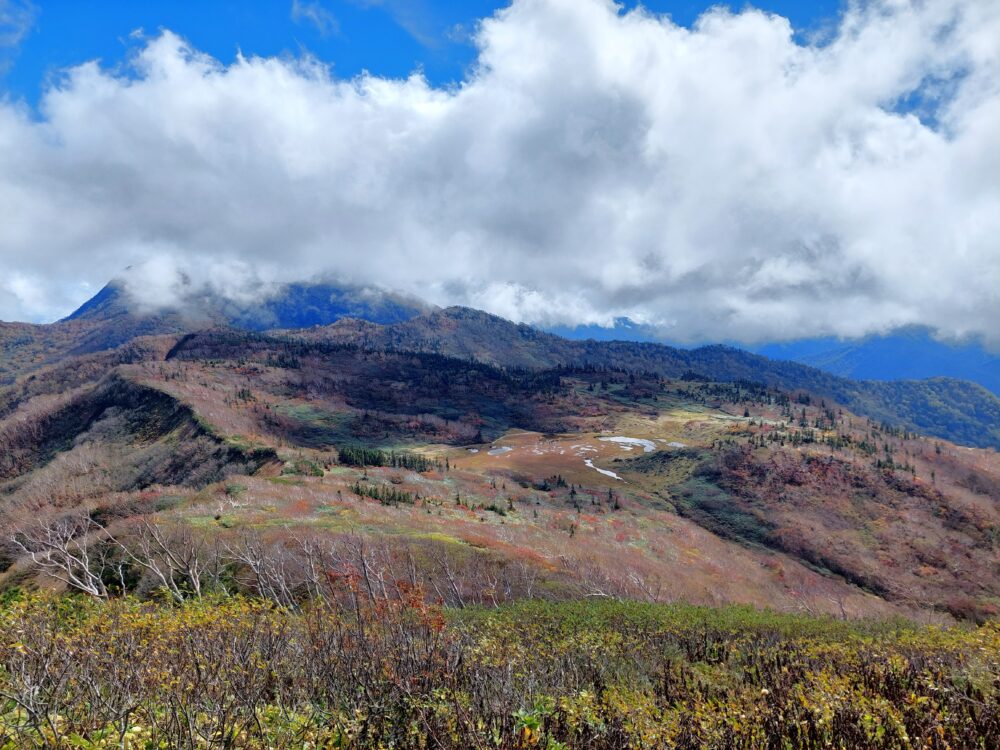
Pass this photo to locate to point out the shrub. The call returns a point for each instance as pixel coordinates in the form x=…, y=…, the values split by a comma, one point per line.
x=369, y=672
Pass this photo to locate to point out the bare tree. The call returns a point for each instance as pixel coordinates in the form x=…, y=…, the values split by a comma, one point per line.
x=175, y=555
x=446, y=567
x=71, y=549
x=529, y=575
x=649, y=587
x=271, y=567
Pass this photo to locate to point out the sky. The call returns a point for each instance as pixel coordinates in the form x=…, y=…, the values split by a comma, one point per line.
x=755, y=173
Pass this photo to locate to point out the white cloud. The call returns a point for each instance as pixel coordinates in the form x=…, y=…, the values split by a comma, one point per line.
x=315, y=14
x=722, y=182
x=17, y=17
x=414, y=17
x=16, y=20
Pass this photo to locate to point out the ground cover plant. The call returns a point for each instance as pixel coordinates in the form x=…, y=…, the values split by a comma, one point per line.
x=355, y=671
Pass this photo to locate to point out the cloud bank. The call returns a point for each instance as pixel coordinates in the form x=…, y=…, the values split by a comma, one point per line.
x=725, y=181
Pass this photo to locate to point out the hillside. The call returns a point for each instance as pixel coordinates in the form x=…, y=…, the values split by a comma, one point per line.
x=478, y=443
x=708, y=492
x=942, y=407
x=955, y=410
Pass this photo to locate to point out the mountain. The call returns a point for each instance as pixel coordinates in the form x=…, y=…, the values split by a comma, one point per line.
x=294, y=305
x=942, y=407
x=908, y=353
x=308, y=500
x=114, y=317
x=427, y=539
x=623, y=329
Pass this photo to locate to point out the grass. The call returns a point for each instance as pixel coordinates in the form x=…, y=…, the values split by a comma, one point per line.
x=711, y=507
x=571, y=617
x=286, y=481
x=315, y=427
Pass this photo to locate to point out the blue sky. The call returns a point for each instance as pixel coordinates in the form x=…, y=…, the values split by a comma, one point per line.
x=386, y=37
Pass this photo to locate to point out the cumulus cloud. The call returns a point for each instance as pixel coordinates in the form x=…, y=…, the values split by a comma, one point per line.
x=724, y=181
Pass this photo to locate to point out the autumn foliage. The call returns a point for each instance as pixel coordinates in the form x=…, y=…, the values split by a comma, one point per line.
x=364, y=673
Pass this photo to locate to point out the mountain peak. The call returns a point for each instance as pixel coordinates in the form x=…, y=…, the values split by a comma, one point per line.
x=291, y=305
x=100, y=306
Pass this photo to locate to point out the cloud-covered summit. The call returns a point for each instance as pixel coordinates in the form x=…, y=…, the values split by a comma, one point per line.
x=725, y=181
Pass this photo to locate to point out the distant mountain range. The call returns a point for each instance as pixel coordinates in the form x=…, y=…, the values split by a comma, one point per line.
x=955, y=409
x=910, y=353
x=906, y=353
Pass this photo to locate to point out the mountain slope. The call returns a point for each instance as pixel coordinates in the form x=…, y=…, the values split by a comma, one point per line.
x=943, y=407
x=109, y=435
x=490, y=484
x=947, y=408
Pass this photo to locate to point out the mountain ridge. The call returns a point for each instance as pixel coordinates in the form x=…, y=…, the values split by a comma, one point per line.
x=908, y=353
x=942, y=407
